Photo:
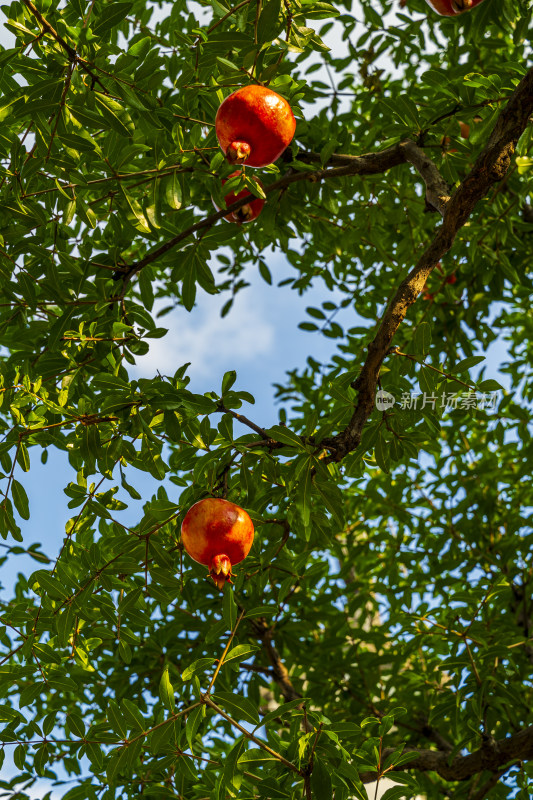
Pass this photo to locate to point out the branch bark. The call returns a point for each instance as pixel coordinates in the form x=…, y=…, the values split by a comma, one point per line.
x=437, y=190
x=492, y=757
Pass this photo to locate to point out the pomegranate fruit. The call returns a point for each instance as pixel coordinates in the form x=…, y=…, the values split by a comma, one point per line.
x=448, y=8
x=465, y=129
x=426, y=294
x=248, y=211
x=217, y=533
x=254, y=125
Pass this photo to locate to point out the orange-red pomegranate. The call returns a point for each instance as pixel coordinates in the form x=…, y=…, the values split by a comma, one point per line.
x=448, y=8
x=254, y=125
x=217, y=533
x=248, y=211
x=465, y=129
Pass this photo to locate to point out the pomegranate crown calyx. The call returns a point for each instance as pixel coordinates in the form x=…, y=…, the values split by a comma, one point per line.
x=220, y=570
x=244, y=213
x=238, y=152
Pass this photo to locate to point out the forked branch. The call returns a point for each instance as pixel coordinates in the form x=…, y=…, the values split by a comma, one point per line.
x=490, y=167
x=491, y=756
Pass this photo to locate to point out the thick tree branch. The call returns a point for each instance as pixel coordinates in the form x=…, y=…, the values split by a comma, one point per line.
x=492, y=757
x=490, y=167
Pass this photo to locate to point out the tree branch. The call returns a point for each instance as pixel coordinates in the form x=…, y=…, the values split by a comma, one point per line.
x=45, y=25
x=69, y=50
x=343, y=166
x=437, y=190
x=490, y=167
x=492, y=756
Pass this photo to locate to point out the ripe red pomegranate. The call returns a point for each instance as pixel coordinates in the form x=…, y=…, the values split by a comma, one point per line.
x=448, y=8
x=217, y=533
x=254, y=124
x=248, y=211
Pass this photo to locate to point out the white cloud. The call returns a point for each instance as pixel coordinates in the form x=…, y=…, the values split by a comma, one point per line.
x=211, y=343
x=376, y=790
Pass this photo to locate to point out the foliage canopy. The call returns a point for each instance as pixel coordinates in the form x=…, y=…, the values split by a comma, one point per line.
x=387, y=602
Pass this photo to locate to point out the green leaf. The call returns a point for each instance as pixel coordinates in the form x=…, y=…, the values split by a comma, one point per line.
x=23, y=457
x=281, y=710
x=46, y=654
x=464, y=365
x=124, y=651
x=95, y=755
x=133, y=716
x=422, y=340
x=112, y=16
x=194, y=721
x=76, y=724
x=116, y=115
x=20, y=499
x=240, y=652
x=137, y=211
x=116, y=720
x=255, y=755
x=229, y=608
x=232, y=777
x=172, y=189
x=238, y=707
x=269, y=21
x=166, y=691
x=198, y=666
x=381, y=452
x=304, y=491
x=490, y=385
x=228, y=380
x=52, y=586
x=321, y=785
x=284, y=435
x=19, y=756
